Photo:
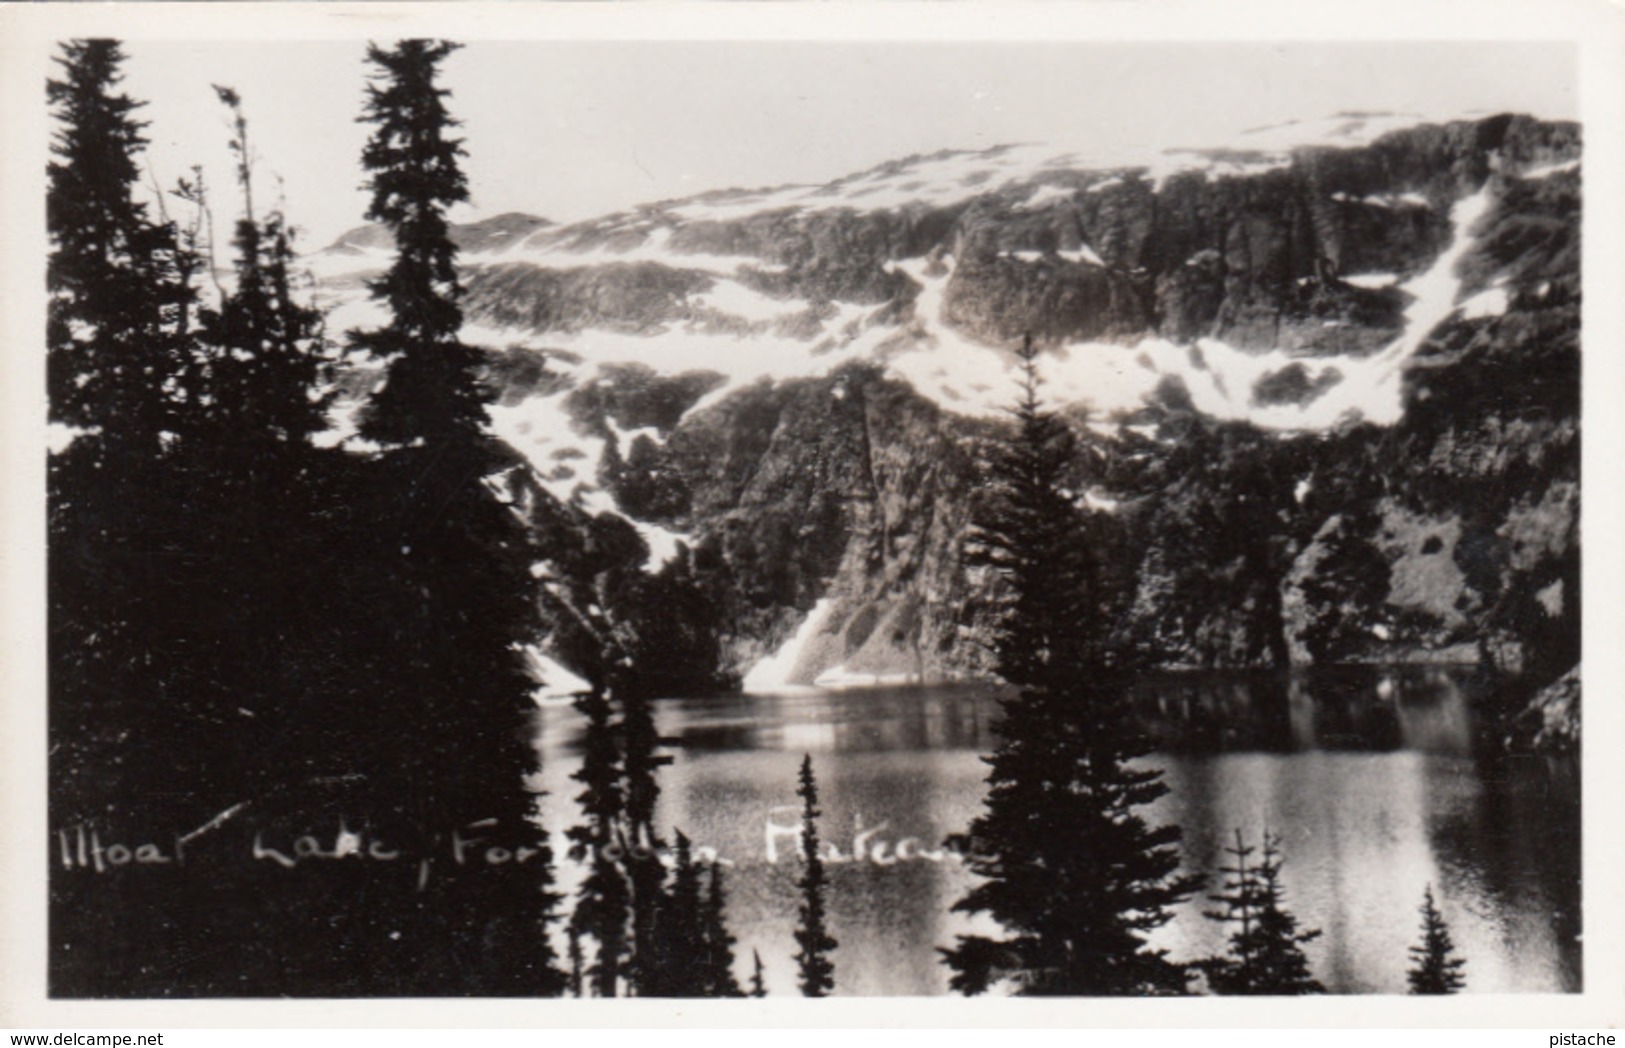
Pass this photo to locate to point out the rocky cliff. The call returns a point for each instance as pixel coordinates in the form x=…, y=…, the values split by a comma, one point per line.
x=1327, y=381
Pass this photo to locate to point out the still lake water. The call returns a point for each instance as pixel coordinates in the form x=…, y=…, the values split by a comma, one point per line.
x=1374, y=778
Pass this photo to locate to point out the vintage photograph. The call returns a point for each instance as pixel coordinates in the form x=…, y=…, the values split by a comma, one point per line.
x=803, y=518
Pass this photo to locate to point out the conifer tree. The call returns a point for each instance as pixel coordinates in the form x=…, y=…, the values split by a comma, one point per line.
x=266, y=345
x=1068, y=865
x=677, y=968
x=717, y=944
x=1434, y=967
x=431, y=396
x=604, y=897
x=817, y=971
x=451, y=558
x=118, y=348
x=116, y=308
x=645, y=871
x=1266, y=952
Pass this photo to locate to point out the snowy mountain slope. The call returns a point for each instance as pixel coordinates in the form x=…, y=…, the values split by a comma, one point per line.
x=656, y=361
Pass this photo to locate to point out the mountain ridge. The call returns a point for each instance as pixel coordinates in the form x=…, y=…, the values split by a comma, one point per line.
x=1307, y=318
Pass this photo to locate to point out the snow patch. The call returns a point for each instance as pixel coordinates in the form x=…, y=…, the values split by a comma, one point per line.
x=1100, y=503
x=662, y=543
x=841, y=679
x=1384, y=200
x=552, y=249
x=1491, y=302
x=625, y=437
x=735, y=299
x=1547, y=170
x=1339, y=130
x=1043, y=196
x=1370, y=281
x=773, y=672
x=1084, y=253
x=554, y=683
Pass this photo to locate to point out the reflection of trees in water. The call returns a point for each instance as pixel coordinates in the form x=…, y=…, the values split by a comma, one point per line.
x=1346, y=708
x=1513, y=847
x=867, y=720
x=886, y=913
x=1356, y=708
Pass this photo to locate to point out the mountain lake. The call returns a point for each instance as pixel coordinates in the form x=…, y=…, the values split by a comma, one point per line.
x=1376, y=779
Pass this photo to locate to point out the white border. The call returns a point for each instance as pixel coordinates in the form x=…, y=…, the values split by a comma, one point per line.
x=1597, y=27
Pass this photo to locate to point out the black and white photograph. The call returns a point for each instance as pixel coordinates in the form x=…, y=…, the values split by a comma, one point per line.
x=684, y=517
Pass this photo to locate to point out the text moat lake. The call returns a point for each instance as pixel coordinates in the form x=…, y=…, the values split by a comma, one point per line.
x=1377, y=780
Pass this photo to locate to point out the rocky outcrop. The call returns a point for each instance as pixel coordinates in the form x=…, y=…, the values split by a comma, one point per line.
x=1551, y=722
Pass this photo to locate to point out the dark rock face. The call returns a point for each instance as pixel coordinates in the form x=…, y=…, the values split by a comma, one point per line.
x=1449, y=534
x=636, y=298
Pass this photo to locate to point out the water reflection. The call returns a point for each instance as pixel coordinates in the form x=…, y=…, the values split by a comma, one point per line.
x=1372, y=777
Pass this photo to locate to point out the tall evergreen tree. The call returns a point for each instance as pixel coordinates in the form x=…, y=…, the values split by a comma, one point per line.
x=717, y=944
x=1434, y=967
x=1266, y=952
x=603, y=900
x=817, y=976
x=116, y=346
x=431, y=396
x=676, y=968
x=645, y=871
x=116, y=309
x=262, y=373
x=452, y=559
x=1069, y=866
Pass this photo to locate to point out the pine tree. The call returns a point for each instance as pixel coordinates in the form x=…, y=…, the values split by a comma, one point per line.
x=123, y=731
x=603, y=900
x=431, y=395
x=1434, y=968
x=451, y=559
x=645, y=871
x=758, y=979
x=717, y=944
x=116, y=308
x=677, y=968
x=817, y=971
x=118, y=352
x=1266, y=951
x=266, y=346
x=1069, y=867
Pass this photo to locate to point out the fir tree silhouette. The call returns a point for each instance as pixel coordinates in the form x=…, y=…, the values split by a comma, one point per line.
x=431, y=395
x=1266, y=951
x=817, y=971
x=115, y=309
x=1068, y=865
x=717, y=943
x=646, y=873
x=604, y=898
x=680, y=971
x=1434, y=967
x=133, y=742
x=265, y=350
x=451, y=558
